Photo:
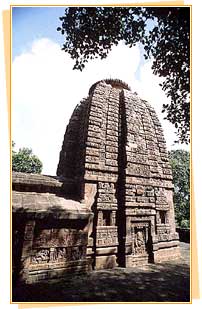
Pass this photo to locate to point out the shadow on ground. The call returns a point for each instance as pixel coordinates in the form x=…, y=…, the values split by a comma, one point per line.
x=166, y=282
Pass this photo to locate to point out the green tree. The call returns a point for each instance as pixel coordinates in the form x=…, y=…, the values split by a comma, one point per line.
x=180, y=160
x=164, y=33
x=25, y=161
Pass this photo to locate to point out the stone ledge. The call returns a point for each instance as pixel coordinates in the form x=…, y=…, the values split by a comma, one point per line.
x=41, y=205
x=28, y=179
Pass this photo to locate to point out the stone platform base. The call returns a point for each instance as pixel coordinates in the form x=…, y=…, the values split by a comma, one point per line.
x=167, y=254
x=132, y=260
x=35, y=275
x=105, y=262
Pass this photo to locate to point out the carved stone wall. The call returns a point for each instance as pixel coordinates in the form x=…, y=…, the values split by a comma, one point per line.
x=111, y=202
x=124, y=154
x=50, y=230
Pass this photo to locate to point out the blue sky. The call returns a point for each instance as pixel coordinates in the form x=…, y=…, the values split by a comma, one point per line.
x=31, y=23
x=45, y=89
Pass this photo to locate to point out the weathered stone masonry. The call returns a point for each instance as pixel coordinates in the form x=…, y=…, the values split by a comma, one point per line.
x=50, y=228
x=114, y=160
x=121, y=150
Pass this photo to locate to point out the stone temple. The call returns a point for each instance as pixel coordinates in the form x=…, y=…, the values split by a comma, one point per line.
x=111, y=203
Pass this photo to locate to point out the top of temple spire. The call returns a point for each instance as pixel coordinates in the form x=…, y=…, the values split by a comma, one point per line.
x=115, y=83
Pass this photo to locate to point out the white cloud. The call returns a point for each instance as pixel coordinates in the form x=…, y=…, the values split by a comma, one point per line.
x=45, y=90
x=148, y=88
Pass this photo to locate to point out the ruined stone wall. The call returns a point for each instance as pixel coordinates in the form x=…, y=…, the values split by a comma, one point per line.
x=50, y=229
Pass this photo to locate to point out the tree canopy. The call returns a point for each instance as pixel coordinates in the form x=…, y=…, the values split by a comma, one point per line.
x=25, y=161
x=180, y=160
x=164, y=33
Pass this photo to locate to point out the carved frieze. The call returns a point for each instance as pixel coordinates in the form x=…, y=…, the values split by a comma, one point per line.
x=106, y=198
x=106, y=187
x=107, y=206
x=59, y=254
x=107, y=236
x=138, y=170
x=59, y=238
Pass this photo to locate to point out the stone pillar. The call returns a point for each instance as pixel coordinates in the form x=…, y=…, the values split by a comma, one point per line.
x=100, y=218
x=171, y=212
x=113, y=218
x=27, y=249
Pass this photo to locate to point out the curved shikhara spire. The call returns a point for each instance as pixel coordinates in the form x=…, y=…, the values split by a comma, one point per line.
x=115, y=83
x=114, y=145
x=113, y=122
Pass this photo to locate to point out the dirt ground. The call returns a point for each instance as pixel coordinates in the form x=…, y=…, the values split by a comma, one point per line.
x=166, y=282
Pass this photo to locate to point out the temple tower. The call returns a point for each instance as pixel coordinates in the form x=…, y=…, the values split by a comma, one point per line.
x=114, y=146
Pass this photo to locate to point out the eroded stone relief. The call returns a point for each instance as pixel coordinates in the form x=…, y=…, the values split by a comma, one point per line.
x=114, y=153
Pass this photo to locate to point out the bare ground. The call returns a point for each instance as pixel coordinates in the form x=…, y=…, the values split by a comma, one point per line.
x=166, y=282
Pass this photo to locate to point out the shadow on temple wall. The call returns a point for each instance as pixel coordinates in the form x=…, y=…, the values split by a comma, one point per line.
x=184, y=234
x=67, y=188
x=53, y=218
x=121, y=197
x=168, y=282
